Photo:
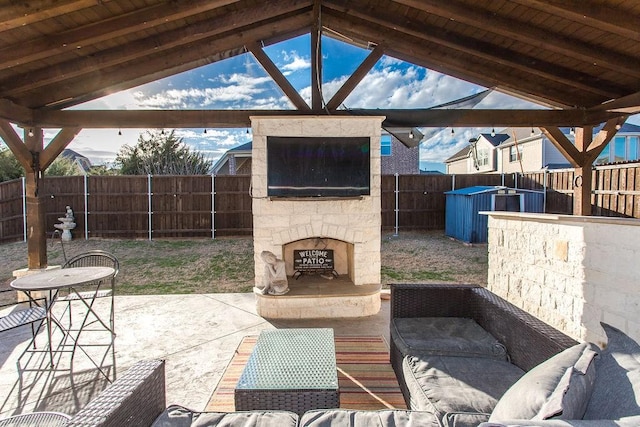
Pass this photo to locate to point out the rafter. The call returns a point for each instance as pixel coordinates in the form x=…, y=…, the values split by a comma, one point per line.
x=204, y=29
x=355, y=78
x=604, y=136
x=154, y=66
x=587, y=12
x=485, y=51
x=525, y=32
x=277, y=76
x=438, y=58
x=28, y=12
x=143, y=19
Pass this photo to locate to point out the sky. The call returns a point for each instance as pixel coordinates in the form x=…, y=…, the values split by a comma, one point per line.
x=241, y=83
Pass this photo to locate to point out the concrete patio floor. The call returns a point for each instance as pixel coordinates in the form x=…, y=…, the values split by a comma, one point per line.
x=197, y=335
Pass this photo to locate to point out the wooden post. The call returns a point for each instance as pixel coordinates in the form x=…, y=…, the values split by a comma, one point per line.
x=36, y=232
x=316, y=59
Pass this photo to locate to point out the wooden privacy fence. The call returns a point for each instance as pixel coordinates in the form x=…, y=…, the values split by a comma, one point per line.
x=204, y=206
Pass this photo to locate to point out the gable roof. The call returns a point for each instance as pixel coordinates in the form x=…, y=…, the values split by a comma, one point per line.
x=564, y=54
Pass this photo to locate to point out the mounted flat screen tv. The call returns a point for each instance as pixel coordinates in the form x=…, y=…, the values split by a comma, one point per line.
x=318, y=166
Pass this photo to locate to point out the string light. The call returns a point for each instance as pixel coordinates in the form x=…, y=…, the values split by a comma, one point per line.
x=493, y=132
x=205, y=131
x=30, y=132
x=532, y=131
x=453, y=132
x=247, y=131
x=572, y=131
x=162, y=132
x=119, y=132
x=411, y=134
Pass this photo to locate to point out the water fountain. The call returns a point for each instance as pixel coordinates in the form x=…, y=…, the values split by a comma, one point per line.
x=66, y=224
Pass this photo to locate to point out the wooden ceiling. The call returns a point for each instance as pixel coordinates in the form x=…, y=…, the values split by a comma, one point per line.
x=574, y=55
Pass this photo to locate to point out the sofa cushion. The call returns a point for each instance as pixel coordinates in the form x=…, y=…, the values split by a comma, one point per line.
x=442, y=384
x=382, y=418
x=616, y=392
x=178, y=416
x=444, y=336
x=559, y=387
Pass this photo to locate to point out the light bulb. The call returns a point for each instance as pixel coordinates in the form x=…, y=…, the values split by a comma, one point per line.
x=411, y=134
x=30, y=133
x=493, y=132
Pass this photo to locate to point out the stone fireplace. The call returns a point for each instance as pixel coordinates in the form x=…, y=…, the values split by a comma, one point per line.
x=347, y=226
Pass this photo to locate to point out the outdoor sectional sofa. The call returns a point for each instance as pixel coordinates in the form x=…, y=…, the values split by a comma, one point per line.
x=463, y=357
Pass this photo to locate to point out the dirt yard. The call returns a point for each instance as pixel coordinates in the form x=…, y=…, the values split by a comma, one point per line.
x=226, y=264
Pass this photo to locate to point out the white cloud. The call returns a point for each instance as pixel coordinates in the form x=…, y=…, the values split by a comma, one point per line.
x=294, y=62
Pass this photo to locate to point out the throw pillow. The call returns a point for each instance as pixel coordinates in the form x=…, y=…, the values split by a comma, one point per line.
x=616, y=392
x=559, y=387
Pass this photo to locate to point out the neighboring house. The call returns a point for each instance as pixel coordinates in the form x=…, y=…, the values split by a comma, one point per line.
x=399, y=153
x=478, y=157
x=529, y=150
x=236, y=161
x=83, y=163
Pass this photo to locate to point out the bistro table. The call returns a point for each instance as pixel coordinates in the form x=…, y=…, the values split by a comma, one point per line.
x=52, y=281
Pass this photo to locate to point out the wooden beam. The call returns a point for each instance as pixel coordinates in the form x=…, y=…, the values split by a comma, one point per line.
x=15, y=144
x=438, y=58
x=316, y=58
x=525, y=32
x=57, y=145
x=118, y=26
x=15, y=113
x=562, y=143
x=36, y=226
x=277, y=76
x=355, y=78
x=503, y=57
x=588, y=12
x=137, y=119
x=629, y=104
x=604, y=136
x=66, y=92
x=133, y=51
x=22, y=13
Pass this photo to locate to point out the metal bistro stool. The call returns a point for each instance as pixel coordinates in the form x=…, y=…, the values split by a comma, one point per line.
x=36, y=419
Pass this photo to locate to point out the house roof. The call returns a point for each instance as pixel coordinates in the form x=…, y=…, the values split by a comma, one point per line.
x=479, y=189
x=575, y=56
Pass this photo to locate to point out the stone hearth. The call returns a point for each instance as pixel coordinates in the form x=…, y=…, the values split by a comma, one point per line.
x=348, y=225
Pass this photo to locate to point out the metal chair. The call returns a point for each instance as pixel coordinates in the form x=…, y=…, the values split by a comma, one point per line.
x=36, y=419
x=34, y=315
x=94, y=258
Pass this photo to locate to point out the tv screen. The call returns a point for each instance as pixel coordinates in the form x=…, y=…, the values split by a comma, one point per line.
x=318, y=166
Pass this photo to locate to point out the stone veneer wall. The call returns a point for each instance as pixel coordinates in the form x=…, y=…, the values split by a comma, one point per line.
x=570, y=271
x=353, y=220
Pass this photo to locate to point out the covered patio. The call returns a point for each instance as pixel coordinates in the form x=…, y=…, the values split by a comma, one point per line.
x=579, y=62
x=197, y=336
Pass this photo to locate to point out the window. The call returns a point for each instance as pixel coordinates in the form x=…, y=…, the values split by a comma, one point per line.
x=385, y=145
x=621, y=149
x=514, y=155
x=483, y=157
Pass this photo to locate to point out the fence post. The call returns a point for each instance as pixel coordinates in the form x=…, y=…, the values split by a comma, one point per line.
x=544, y=187
x=213, y=206
x=24, y=209
x=397, y=190
x=86, y=208
x=149, y=198
x=502, y=178
x=453, y=182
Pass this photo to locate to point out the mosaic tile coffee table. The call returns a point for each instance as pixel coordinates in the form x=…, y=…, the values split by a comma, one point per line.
x=292, y=370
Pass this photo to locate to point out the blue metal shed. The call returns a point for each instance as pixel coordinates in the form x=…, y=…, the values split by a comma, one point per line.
x=463, y=220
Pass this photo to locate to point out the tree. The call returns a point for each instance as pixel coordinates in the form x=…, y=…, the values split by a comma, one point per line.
x=63, y=167
x=157, y=153
x=10, y=167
